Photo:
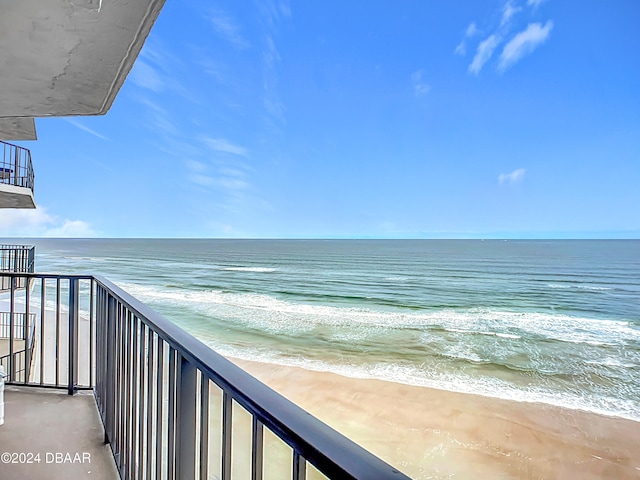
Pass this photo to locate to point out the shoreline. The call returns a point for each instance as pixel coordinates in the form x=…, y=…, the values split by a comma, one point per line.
x=490, y=396
x=431, y=433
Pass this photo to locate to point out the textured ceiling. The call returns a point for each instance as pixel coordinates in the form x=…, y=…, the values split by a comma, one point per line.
x=67, y=57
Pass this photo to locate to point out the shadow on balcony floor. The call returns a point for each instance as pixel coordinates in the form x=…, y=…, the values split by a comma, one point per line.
x=62, y=436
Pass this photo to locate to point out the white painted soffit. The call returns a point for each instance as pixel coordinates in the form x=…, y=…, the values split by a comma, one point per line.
x=68, y=57
x=12, y=128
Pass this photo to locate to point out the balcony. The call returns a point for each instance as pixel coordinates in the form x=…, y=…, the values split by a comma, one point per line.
x=166, y=405
x=16, y=177
x=17, y=259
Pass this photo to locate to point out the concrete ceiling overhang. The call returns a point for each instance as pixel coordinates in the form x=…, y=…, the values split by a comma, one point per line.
x=67, y=57
x=17, y=128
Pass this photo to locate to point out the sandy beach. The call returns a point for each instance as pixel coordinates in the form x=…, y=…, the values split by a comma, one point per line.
x=430, y=433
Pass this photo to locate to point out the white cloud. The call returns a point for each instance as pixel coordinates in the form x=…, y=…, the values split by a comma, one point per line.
x=156, y=69
x=534, y=3
x=228, y=29
x=154, y=52
x=231, y=184
x=271, y=100
x=270, y=54
x=472, y=30
x=222, y=145
x=232, y=172
x=524, y=43
x=420, y=87
x=39, y=223
x=212, y=67
x=158, y=118
x=274, y=11
x=196, y=166
x=162, y=123
x=508, y=11
x=202, y=180
x=151, y=104
x=198, y=173
x=79, y=125
x=274, y=107
x=71, y=228
x=231, y=180
x=145, y=76
x=483, y=54
x=17, y=222
x=511, y=178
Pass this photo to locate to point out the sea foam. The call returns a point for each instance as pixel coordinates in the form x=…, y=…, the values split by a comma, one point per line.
x=387, y=344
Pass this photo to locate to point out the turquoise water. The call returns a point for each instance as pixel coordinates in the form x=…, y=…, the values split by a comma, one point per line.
x=549, y=321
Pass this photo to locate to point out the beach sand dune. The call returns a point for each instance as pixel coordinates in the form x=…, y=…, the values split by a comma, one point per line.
x=430, y=433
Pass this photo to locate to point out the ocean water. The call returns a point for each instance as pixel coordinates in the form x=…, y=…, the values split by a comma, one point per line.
x=539, y=321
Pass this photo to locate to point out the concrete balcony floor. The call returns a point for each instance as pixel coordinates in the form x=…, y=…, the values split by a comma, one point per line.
x=62, y=435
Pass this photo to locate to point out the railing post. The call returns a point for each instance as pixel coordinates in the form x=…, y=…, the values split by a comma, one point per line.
x=72, y=380
x=204, y=427
x=31, y=260
x=227, y=423
x=109, y=374
x=92, y=340
x=17, y=163
x=28, y=342
x=299, y=467
x=171, y=416
x=12, y=308
x=257, y=448
x=187, y=421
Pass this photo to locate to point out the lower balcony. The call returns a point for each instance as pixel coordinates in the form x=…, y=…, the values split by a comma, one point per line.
x=17, y=259
x=101, y=386
x=16, y=177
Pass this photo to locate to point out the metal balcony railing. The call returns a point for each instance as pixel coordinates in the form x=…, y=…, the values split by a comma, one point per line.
x=22, y=333
x=171, y=407
x=15, y=166
x=18, y=259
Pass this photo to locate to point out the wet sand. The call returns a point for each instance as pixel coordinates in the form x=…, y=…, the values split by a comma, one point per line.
x=430, y=433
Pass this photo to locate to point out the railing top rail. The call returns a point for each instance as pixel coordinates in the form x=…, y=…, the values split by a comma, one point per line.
x=16, y=247
x=12, y=144
x=47, y=275
x=329, y=450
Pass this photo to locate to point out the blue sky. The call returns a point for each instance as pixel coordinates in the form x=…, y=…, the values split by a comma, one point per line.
x=420, y=119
